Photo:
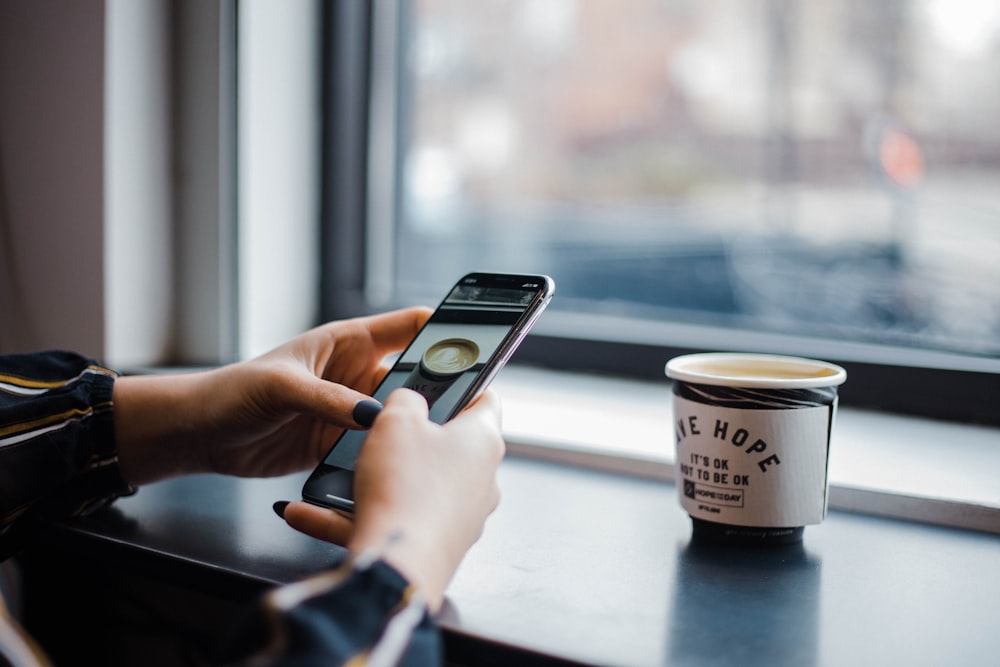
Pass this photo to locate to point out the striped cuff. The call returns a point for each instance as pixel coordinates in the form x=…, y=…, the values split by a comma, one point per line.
x=57, y=443
x=363, y=612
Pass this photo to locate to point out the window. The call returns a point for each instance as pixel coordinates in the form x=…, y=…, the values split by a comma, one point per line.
x=814, y=178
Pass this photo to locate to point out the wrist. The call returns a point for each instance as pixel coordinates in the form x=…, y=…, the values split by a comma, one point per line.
x=153, y=433
x=427, y=567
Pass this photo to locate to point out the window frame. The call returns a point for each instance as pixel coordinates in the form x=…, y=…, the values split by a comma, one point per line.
x=364, y=130
x=955, y=394
x=346, y=52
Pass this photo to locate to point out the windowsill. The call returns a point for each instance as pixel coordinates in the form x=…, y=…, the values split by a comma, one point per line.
x=891, y=465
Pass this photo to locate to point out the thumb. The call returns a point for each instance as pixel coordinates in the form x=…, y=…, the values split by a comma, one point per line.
x=319, y=522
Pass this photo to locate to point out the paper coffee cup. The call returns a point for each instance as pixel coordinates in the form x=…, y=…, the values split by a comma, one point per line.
x=753, y=438
x=440, y=365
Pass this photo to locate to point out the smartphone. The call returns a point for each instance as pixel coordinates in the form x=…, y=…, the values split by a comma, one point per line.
x=453, y=358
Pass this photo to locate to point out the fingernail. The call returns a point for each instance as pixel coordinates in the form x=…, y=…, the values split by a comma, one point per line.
x=365, y=412
x=279, y=507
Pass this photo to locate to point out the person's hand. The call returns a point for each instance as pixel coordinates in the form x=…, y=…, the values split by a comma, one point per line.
x=422, y=491
x=272, y=415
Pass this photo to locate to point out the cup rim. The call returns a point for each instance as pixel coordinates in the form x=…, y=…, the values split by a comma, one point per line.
x=683, y=369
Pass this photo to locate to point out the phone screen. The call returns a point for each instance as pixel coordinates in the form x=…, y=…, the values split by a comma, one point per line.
x=464, y=343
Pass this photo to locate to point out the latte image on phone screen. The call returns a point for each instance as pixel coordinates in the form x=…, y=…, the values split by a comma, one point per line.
x=440, y=365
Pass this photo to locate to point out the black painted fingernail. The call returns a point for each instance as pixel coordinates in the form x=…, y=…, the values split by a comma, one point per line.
x=279, y=507
x=365, y=412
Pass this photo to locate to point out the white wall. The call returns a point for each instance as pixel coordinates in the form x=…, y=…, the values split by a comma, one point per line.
x=51, y=175
x=84, y=161
x=138, y=233
x=279, y=141
x=205, y=181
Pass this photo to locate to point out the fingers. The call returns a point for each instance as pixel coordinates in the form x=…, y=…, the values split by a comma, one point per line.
x=407, y=400
x=319, y=522
x=482, y=416
x=486, y=406
x=337, y=403
x=393, y=331
x=330, y=401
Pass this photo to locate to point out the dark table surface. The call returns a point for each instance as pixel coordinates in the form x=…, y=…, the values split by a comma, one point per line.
x=600, y=568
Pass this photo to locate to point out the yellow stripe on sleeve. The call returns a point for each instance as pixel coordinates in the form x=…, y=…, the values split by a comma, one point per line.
x=51, y=384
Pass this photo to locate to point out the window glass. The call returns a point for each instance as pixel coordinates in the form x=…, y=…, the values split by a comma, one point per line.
x=829, y=169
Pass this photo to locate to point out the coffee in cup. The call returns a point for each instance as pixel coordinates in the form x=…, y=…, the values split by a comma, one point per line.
x=753, y=437
x=440, y=365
